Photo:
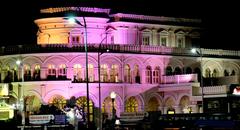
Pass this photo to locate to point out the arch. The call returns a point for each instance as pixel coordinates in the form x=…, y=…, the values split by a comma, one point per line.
x=175, y=62
x=211, y=64
x=32, y=103
x=118, y=103
x=131, y=104
x=162, y=30
x=52, y=92
x=11, y=62
x=155, y=104
x=58, y=101
x=188, y=70
x=178, y=70
x=56, y=60
x=184, y=101
x=133, y=60
x=232, y=67
x=169, y=103
x=92, y=97
x=179, y=31
x=169, y=70
x=32, y=60
x=82, y=103
x=154, y=62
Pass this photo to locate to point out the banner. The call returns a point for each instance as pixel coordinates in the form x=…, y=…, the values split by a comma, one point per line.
x=40, y=119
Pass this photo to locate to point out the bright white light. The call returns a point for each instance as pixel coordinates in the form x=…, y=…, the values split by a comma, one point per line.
x=117, y=122
x=113, y=95
x=18, y=62
x=194, y=50
x=70, y=114
x=72, y=20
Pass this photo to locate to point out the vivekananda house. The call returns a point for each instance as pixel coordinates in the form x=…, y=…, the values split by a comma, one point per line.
x=152, y=63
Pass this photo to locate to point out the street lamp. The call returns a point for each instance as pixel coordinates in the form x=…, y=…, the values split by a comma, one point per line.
x=199, y=52
x=99, y=82
x=73, y=20
x=113, y=96
x=20, y=63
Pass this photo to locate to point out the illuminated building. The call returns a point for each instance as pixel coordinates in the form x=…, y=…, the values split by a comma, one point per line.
x=149, y=64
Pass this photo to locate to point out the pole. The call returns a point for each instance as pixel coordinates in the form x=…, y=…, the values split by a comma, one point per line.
x=99, y=91
x=201, y=81
x=99, y=83
x=87, y=80
x=22, y=95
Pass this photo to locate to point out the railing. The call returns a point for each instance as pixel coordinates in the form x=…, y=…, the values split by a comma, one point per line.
x=130, y=48
x=213, y=90
x=184, y=78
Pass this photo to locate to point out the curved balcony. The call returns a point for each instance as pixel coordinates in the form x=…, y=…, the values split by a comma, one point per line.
x=116, y=48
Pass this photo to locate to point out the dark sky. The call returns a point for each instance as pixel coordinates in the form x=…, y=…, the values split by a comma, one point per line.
x=220, y=19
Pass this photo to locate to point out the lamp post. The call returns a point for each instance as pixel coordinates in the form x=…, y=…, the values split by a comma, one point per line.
x=113, y=96
x=20, y=63
x=99, y=82
x=199, y=52
x=73, y=20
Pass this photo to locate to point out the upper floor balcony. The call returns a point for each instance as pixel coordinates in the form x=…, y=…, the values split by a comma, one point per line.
x=114, y=48
x=226, y=80
x=184, y=78
x=211, y=90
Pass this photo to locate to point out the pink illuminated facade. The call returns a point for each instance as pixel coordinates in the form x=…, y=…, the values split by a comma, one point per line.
x=149, y=64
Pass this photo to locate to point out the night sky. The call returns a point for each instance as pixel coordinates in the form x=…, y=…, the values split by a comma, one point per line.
x=220, y=20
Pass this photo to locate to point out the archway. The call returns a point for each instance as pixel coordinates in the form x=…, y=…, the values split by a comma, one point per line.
x=131, y=105
x=153, y=104
x=82, y=103
x=184, y=104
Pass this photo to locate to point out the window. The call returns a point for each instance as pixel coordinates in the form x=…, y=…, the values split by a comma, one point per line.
x=136, y=74
x=146, y=40
x=233, y=72
x=104, y=73
x=90, y=73
x=207, y=73
x=127, y=74
x=114, y=74
x=36, y=73
x=148, y=74
x=77, y=70
x=215, y=73
x=163, y=41
x=178, y=70
x=180, y=42
x=62, y=72
x=27, y=72
x=169, y=70
x=156, y=75
x=77, y=39
x=188, y=70
x=226, y=73
x=51, y=71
